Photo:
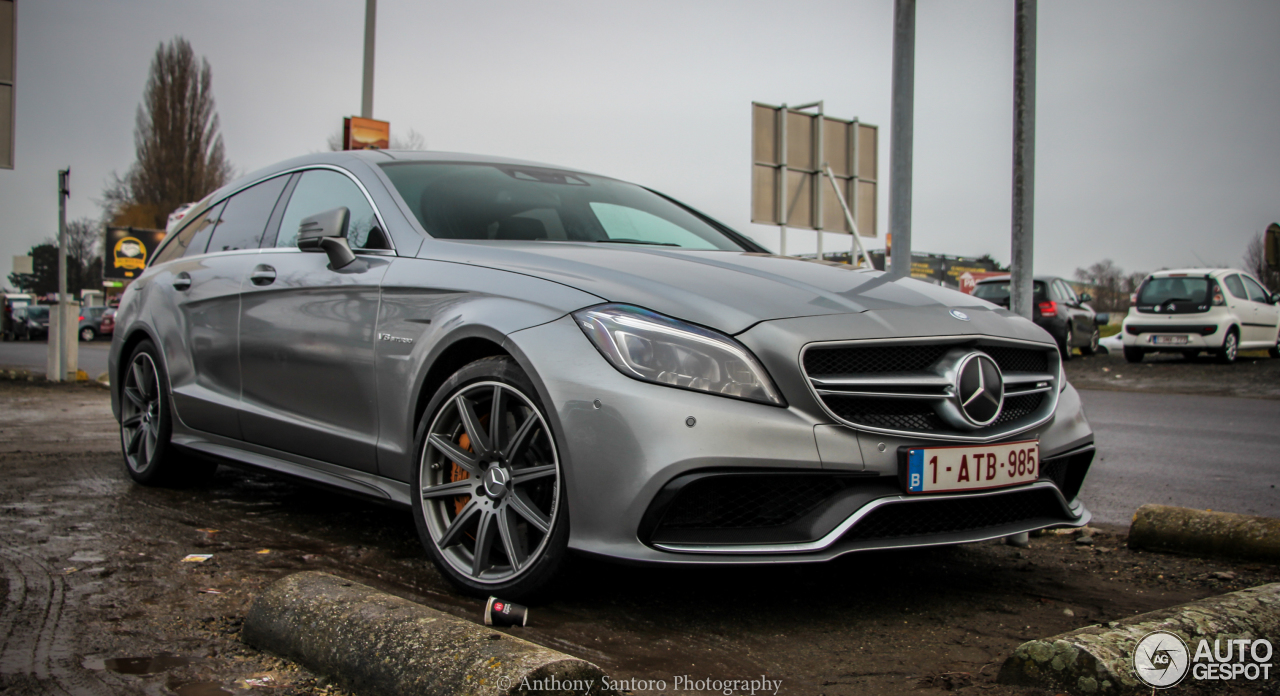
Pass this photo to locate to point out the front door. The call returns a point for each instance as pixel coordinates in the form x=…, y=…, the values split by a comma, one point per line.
x=307, y=335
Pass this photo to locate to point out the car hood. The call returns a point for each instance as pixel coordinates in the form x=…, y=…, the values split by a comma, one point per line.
x=728, y=291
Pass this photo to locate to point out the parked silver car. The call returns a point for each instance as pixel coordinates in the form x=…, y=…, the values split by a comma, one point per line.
x=541, y=360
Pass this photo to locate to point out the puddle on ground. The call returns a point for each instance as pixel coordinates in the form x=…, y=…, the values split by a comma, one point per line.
x=143, y=665
x=198, y=688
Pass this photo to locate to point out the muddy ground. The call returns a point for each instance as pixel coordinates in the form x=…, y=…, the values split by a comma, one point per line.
x=1254, y=375
x=97, y=599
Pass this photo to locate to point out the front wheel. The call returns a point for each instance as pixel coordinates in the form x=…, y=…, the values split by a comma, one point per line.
x=1092, y=348
x=489, y=497
x=1065, y=347
x=88, y=334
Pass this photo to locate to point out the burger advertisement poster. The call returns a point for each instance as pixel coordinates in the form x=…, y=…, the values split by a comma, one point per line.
x=127, y=251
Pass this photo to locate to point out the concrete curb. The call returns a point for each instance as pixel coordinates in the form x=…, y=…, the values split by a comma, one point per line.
x=1204, y=533
x=376, y=644
x=1099, y=659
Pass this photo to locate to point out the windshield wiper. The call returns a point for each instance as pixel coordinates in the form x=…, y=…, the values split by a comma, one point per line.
x=623, y=240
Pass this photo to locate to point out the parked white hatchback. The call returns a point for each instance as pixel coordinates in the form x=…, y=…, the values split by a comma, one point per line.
x=1220, y=310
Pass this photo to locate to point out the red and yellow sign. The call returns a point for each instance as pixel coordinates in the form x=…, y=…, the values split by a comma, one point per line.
x=365, y=134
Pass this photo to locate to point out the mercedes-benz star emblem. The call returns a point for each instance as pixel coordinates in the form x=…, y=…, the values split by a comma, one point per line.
x=495, y=482
x=959, y=315
x=979, y=389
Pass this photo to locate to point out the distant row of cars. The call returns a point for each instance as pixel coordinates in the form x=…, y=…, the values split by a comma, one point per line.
x=32, y=322
x=1189, y=311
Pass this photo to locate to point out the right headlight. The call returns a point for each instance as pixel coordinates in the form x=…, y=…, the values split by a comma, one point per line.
x=648, y=346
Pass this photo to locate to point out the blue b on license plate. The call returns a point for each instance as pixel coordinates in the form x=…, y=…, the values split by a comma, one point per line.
x=971, y=467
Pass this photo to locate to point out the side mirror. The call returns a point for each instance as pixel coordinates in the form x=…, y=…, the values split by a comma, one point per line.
x=327, y=232
x=1086, y=297
x=1102, y=318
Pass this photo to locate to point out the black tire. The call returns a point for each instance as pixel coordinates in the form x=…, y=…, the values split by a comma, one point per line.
x=1230, y=349
x=1065, y=346
x=1190, y=354
x=1133, y=355
x=146, y=425
x=506, y=534
x=88, y=334
x=1274, y=351
x=1092, y=348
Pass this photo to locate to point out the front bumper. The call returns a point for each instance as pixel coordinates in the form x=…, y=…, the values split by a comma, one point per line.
x=624, y=441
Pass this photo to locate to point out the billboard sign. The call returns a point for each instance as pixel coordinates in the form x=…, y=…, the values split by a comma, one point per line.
x=791, y=149
x=127, y=250
x=365, y=134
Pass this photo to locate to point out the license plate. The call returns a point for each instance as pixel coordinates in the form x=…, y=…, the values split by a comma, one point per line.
x=1169, y=340
x=970, y=467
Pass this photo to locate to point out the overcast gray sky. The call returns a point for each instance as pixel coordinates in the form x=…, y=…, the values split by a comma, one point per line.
x=1158, y=134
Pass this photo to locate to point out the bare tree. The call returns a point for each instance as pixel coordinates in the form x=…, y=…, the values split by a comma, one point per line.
x=180, y=156
x=412, y=141
x=1255, y=262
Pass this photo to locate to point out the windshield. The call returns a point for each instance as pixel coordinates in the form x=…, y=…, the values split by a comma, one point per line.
x=998, y=291
x=38, y=312
x=1173, y=289
x=516, y=202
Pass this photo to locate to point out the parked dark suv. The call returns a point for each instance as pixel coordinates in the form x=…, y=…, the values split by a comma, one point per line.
x=31, y=322
x=1058, y=310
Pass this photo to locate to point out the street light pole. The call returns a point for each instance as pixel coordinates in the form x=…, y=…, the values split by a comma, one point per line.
x=370, y=24
x=1021, y=290
x=900, y=146
x=64, y=190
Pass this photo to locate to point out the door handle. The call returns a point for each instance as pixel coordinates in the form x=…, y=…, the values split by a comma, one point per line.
x=263, y=275
x=182, y=281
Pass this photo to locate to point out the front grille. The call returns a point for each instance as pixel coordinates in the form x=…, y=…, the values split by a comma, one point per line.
x=845, y=360
x=748, y=502
x=904, y=387
x=1018, y=359
x=893, y=414
x=950, y=515
x=1018, y=407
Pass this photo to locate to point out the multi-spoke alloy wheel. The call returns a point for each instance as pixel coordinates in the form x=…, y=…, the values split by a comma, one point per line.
x=140, y=411
x=490, y=483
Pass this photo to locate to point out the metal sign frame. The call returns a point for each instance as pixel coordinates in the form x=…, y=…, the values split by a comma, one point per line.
x=787, y=186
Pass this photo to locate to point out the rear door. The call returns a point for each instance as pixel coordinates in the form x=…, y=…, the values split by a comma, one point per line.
x=307, y=332
x=207, y=282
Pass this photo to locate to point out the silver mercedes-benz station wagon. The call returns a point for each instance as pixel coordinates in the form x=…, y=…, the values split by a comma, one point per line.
x=539, y=360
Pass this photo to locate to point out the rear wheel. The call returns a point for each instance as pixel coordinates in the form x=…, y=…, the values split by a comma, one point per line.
x=1274, y=351
x=145, y=425
x=88, y=334
x=1133, y=355
x=1230, y=347
x=490, y=503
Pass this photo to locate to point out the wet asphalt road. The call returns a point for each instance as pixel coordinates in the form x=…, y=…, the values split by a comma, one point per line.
x=33, y=356
x=1206, y=452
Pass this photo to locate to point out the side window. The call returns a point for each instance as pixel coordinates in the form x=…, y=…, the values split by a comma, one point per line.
x=1256, y=292
x=1235, y=287
x=323, y=189
x=191, y=239
x=244, y=219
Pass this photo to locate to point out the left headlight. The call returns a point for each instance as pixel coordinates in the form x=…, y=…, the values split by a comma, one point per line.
x=648, y=346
